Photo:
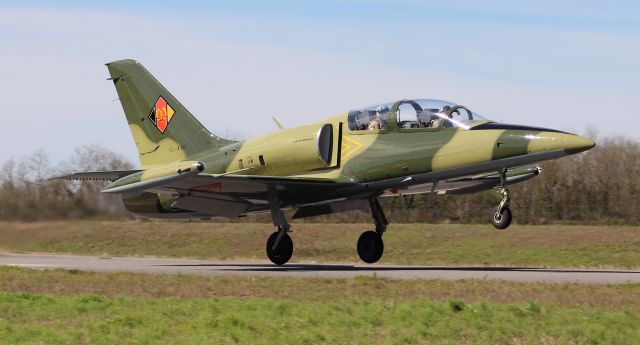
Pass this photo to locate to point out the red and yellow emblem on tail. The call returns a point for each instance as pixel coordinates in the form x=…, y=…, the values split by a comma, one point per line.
x=161, y=114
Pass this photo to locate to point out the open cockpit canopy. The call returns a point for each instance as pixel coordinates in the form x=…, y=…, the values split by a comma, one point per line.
x=418, y=113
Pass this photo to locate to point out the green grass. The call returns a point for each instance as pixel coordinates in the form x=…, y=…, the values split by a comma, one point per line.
x=93, y=319
x=73, y=307
x=420, y=244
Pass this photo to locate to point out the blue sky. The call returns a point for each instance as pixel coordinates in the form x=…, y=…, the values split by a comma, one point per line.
x=571, y=65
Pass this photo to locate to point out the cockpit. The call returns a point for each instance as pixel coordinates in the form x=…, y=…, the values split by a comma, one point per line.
x=408, y=114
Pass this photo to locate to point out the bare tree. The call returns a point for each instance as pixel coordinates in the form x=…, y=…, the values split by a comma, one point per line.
x=601, y=185
x=25, y=196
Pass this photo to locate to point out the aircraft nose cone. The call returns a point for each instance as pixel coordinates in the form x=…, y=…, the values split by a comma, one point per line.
x=575, y=144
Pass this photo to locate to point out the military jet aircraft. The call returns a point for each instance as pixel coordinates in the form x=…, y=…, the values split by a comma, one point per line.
x=342, y=163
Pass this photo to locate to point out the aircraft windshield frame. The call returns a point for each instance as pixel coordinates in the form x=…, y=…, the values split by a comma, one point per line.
x=412, y=114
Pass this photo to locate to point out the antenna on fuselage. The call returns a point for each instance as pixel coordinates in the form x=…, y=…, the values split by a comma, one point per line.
x=280, y=126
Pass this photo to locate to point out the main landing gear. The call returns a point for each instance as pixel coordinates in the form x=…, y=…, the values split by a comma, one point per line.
x=279, y=244
x=370, y=245
x=501, y=217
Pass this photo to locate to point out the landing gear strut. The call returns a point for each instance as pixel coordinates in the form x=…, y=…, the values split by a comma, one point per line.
x=501, y=217
x=370, y=245
x=279, y=244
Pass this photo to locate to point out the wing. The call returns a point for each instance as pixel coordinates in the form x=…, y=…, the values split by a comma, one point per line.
x=467, y=184
x=225, y=195
x=292, y=191
x=238, y=195
x=232, y=195
x=296, y=191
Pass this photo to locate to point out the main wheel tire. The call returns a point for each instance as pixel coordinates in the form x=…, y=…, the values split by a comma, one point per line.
x=283, y=251
x=501, y=220
x=370, y=247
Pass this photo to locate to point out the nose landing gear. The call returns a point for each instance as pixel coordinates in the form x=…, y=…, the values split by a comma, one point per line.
x=501, y=217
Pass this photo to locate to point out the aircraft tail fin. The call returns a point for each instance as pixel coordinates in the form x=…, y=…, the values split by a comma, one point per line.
x=163, y=129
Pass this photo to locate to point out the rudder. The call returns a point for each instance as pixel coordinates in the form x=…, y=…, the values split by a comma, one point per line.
x=163, y=129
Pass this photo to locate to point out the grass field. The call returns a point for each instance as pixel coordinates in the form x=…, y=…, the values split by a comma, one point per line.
x=73, y=307
x=95, y=320
x=420, y=244
x=70, y=307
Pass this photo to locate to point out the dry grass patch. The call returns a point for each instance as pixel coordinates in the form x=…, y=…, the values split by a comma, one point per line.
x=64, y=282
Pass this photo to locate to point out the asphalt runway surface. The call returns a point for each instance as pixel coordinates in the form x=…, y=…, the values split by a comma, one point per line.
x=255, y=268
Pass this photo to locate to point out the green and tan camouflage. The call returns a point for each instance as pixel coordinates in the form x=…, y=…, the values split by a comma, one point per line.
x=337, y=164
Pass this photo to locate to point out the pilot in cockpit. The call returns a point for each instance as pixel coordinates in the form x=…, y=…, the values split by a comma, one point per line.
x=446, y=110
x=437, y=121
x=379, y=121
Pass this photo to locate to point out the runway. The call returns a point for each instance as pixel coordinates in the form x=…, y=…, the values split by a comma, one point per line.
x=256, y=268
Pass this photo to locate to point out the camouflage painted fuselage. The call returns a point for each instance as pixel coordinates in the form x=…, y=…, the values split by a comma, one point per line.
x=368, y=156
x=321, y=163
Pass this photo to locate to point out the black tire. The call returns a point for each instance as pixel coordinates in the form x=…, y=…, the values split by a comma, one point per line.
x=503, y=220
x=283, y=251
x=370, y=247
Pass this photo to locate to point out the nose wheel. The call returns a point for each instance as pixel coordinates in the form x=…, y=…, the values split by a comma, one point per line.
x=501, y=219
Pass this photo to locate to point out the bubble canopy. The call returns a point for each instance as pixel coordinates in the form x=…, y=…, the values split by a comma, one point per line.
x=413, y=113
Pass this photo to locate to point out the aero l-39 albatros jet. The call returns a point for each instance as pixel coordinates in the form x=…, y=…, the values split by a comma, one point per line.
x=342, y=163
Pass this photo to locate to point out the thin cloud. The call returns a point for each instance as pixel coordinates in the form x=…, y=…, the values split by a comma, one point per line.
x=234, y=77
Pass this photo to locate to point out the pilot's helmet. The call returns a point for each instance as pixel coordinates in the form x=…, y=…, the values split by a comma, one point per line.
x=382, y=109
x=446, y=109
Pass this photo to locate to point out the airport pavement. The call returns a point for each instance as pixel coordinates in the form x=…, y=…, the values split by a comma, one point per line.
x=257, y=268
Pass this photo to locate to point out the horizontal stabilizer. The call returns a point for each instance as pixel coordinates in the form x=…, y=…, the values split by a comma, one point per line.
x=111, y=175
x=157, y=177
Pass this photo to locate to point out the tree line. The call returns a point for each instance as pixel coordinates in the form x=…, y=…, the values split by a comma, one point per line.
x=600, y=186
x=26, y=195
